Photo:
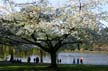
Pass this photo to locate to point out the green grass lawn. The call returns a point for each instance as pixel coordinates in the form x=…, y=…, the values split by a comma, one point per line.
x=44, y=67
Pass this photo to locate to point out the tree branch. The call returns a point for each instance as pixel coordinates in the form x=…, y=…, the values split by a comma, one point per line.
x=33, y=36
x=62, y=44
x=37, y=44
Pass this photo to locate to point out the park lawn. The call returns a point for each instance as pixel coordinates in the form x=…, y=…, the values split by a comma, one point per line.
x=44, y=67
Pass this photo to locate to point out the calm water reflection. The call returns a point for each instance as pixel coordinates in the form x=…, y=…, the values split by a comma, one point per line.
x=89, y=58
x=67, y=58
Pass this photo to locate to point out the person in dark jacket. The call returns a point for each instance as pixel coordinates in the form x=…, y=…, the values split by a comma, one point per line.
x=37, y=60
x=29, y=59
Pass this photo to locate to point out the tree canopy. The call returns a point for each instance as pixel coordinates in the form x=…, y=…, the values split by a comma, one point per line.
x=51, y=28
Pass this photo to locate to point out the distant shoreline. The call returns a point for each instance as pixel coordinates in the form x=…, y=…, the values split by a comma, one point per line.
x=86, y=51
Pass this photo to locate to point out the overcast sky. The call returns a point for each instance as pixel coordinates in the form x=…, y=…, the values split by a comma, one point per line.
x=55, y=3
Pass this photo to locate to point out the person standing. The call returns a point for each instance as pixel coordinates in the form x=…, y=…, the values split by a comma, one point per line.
x=77, y=60
x=81, y=60
x=34, y=60
x=37, y=60
x=60, y=60
x=73, y=60
x=29, y=59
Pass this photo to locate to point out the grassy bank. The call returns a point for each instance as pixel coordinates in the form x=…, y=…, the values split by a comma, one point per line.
x=44, y=67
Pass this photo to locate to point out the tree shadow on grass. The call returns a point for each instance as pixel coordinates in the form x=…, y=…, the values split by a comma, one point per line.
x=44, y=67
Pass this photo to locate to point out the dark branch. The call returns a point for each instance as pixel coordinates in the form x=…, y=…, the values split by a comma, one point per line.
x=60, y=40
x=80, y=6
x=62, y=44
x=33, y=36
x=36, y=43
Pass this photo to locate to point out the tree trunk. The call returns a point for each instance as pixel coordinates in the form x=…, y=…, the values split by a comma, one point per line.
x=53, y=59
x=41, y=56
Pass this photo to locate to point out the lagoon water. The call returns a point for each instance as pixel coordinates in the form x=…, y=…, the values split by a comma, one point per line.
x=67, y=58
x=88, y=58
